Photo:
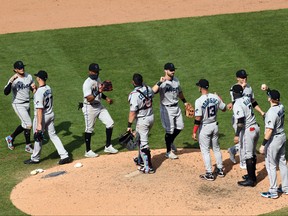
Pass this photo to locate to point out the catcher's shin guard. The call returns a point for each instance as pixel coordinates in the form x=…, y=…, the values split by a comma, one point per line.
x=146, y=157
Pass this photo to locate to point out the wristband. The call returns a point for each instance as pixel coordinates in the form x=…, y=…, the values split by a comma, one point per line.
x=158, y=83
x=129, y=125
x=184, y=100
x=264, y=142
x=195, y=128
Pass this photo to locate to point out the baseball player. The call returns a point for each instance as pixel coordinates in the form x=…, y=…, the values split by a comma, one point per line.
x=141, y=110
x=247, y=133
x=20, y=84
x=241, y=76
x=93, y=109
x=171, y=117
x=206, y=108
x=44, y=121
x=274, y=145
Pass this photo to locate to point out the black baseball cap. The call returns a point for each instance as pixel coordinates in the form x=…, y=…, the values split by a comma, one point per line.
x=274, y=94
x=42, y=75
x=203, y=83
x=241, y=74
x=238, y=89
x=169, y=66
x=138, y=79
x=94, y=67
x=19, y=65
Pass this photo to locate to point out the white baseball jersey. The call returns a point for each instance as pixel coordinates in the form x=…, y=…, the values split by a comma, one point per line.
x=207, y=106
x=274, y=119
x=139, y=103
x=243, y=108
x=88, y=86
x=21, y=89
x=169, y=91
x=43, y=99
x=247, y=91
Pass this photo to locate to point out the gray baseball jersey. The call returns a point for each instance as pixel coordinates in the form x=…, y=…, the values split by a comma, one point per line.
x=141, y=103
x=171, y=115
x=206, y=107
x=94, y=110
x=249, y=136
x=247, y=91
x=21, y=99
x=43, y=99
x=276, y=148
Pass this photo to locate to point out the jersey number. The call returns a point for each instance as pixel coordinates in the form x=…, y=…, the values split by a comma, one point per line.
x=211, y=111
x=48, y=102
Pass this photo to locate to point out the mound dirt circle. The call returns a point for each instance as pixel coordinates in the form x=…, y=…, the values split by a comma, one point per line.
x=111, y=185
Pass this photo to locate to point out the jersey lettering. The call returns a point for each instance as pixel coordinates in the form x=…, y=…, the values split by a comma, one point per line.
x=20, y=85
x=169, y=88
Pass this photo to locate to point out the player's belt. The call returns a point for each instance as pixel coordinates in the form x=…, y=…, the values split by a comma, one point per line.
x=277, y=133
x=172, y=105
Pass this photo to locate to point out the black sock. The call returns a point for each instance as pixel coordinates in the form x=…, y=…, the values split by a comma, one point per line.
x=175, y=134
x=17, y=131
x=250, y=169
x=88, y=141
x=108, y=136
x=27, y=136
x=168, y=140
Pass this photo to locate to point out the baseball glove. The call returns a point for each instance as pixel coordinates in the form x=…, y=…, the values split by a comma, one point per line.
x=39, y=136
x=107, y=85
x=189, y=110
x=128, y=140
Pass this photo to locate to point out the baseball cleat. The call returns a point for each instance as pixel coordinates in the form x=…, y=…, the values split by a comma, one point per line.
x=245, y=177
x=147, y=171
x=29, y=149
x=110, y=149
x=29, y=161
x=279, y=190
x=9, y=141
x=269, y=195
x=207, y=176
x=232, y=156
x=171, y=155
x=91, y=154
x=247, y=183
x=64, y=161
x=220, y=173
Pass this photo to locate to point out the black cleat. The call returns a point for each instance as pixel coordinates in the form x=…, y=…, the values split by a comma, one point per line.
x=64, y=161
x=247, y=183
x=245, y=177
x=29, y=161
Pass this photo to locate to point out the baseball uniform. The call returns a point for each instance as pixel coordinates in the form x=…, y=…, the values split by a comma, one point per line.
x=20, y=88
x=140, y=100
x=275, y=148
x=43, y=99
x=206, y=107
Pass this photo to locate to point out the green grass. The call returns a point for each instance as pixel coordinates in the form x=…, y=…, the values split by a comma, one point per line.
x=205, y=47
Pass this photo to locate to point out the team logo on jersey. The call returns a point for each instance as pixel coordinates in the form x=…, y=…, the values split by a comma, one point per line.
x=237, y=113
x=269, y=122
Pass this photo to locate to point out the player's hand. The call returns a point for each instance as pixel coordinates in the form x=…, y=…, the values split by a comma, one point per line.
x=109, y=100
x=229, y=106
x=262, y=149
x=100, y=88
x=14, y=77
x=236, y=139
x=129, y=129
x=162, y=79
x=194, y=136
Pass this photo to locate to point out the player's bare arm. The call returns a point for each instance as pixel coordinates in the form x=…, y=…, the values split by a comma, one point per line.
x=131, y=118
x=196, y=126
x=267, y=136
x=39, y=119
x=156, y=87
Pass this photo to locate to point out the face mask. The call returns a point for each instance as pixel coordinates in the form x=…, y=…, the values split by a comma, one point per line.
x=94, y=76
